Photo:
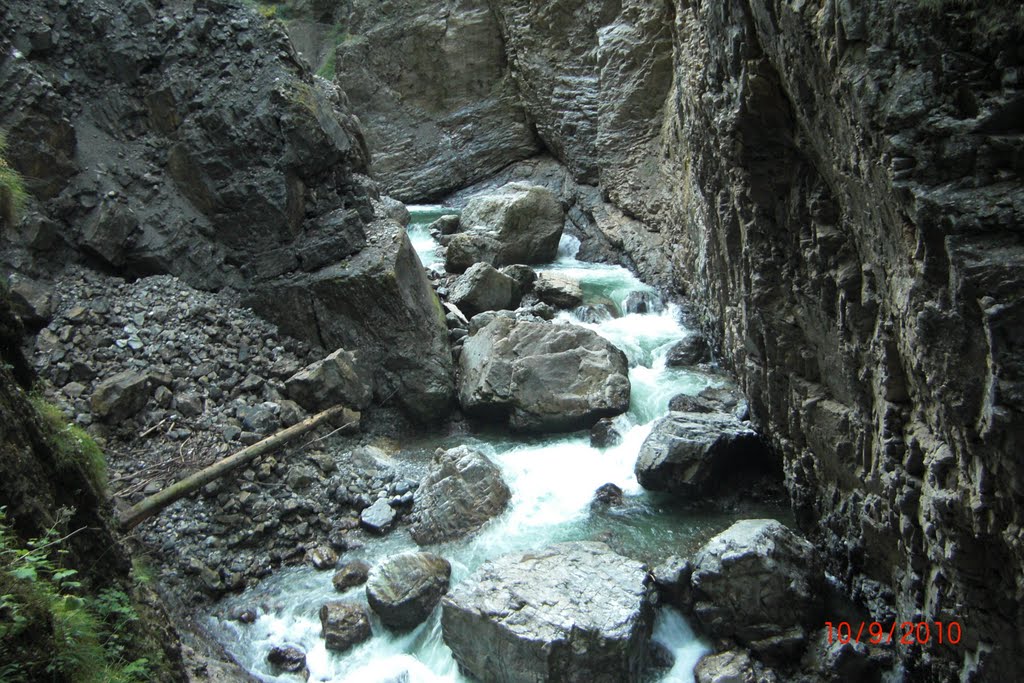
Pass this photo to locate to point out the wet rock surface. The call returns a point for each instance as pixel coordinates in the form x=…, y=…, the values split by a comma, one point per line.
x=463, y=489
x=761, y=584
x=701, y=455
x=571, y=612
x=344, y=625
x=404, y=589
x=517, y=223
x=544, y=377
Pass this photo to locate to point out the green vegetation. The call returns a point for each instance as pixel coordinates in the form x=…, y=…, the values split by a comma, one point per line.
x=12, y=188
x=72, y=446
x=49, y=630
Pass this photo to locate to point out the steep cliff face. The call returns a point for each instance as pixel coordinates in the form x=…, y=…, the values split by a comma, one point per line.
x=841, y=184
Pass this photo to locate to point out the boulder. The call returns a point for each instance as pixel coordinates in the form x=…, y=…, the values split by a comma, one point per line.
x=524, y=277
x=380, y=304
x=122, y=395
x=404, y=589
x=604, y=434
x=690, y=350
x=286, y=658
x=574, y=612
x=377, y=518
x=712, y=400
x=483, y=288
x=350, y=575
x=344, y=625
x=462, y=490
x=389, y=207
x=643, y=301
x=732, y=666
x=672, y=579
x=607, y=495
x=447, y=224
x=322, y=557
x=701, y=455
x=517, y=223
x=558, y=291
x=338, y=379
x=759, y=583
x=542, y=376
x=34, y=301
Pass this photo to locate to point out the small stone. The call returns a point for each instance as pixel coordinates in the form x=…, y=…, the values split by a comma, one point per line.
x=323, y=557
x=287, y=658
x=344, y=625
x=378, y=517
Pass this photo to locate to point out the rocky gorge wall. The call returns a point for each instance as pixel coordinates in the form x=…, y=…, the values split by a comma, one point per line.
x=837, y=187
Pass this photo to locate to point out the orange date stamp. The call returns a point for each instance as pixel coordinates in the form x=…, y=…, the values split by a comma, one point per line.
x=902, y=633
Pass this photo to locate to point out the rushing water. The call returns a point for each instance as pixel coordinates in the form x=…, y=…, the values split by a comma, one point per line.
x=552, y=481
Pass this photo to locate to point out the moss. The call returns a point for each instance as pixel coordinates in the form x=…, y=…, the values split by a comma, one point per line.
x=12, y=189
x=72, y=445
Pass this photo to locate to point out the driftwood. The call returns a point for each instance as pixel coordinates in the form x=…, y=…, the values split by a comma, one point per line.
x=158, y=501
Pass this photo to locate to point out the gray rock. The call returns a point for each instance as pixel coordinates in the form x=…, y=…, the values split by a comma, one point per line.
x=122, y=395
x=732, y=666
x=445, y=225
x=603, y=434
x=261, y=419
x=287, y=658
x=344, y=625
x=760, y=583
x=558, y=291
x=571, y=612
x=379, y=517
x=389, y=207
x=702, y=455
x=404, y=589
x=643, y=301
x=323, y=558
x=712, y=400
x=350, y=575
x=380, y=304
x=483, y=288
x=516, y=224
x=338, y=379
x=689, y=350
x=189, y=404
x=672, y=579
x=462, y=490
x=524, y=277
x=34, y=301
x=542, y=376
x=607, y=495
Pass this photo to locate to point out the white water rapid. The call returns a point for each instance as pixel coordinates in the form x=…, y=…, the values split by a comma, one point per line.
x=553, y=480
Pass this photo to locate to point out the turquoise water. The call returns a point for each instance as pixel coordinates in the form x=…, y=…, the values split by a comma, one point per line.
x=552, y=479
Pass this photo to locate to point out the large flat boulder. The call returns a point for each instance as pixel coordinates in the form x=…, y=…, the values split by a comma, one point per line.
x=542, y=377
x=701, y=455
x=760, y=583
x=574, y=612
x=517, y=223
x=462, y=490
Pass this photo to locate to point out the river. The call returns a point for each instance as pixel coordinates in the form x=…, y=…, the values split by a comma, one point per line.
x=552, y=479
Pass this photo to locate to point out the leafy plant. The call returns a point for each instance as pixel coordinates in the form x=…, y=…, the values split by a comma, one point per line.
x=12, y=188
x=49, y=626
x=71, y=444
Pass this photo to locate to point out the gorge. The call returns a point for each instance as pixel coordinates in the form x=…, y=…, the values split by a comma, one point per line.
x=826, y=191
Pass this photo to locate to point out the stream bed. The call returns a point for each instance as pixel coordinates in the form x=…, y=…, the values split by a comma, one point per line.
x=552, y=479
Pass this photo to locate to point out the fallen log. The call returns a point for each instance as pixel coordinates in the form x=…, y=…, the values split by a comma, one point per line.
x=158, y=501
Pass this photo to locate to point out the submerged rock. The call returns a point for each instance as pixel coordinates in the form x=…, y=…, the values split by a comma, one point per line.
x=404, y=589
x=643, y=301
x=344, y=625
x=462, y=490
x=517, y=223
x=604, y=434
x=701, y=455
x=483, y=288
x=544, y=377
x=607, y=495
x=760, y=583
x=574, y=612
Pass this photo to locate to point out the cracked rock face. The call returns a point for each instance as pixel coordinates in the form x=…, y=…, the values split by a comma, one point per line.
x=572, y=612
